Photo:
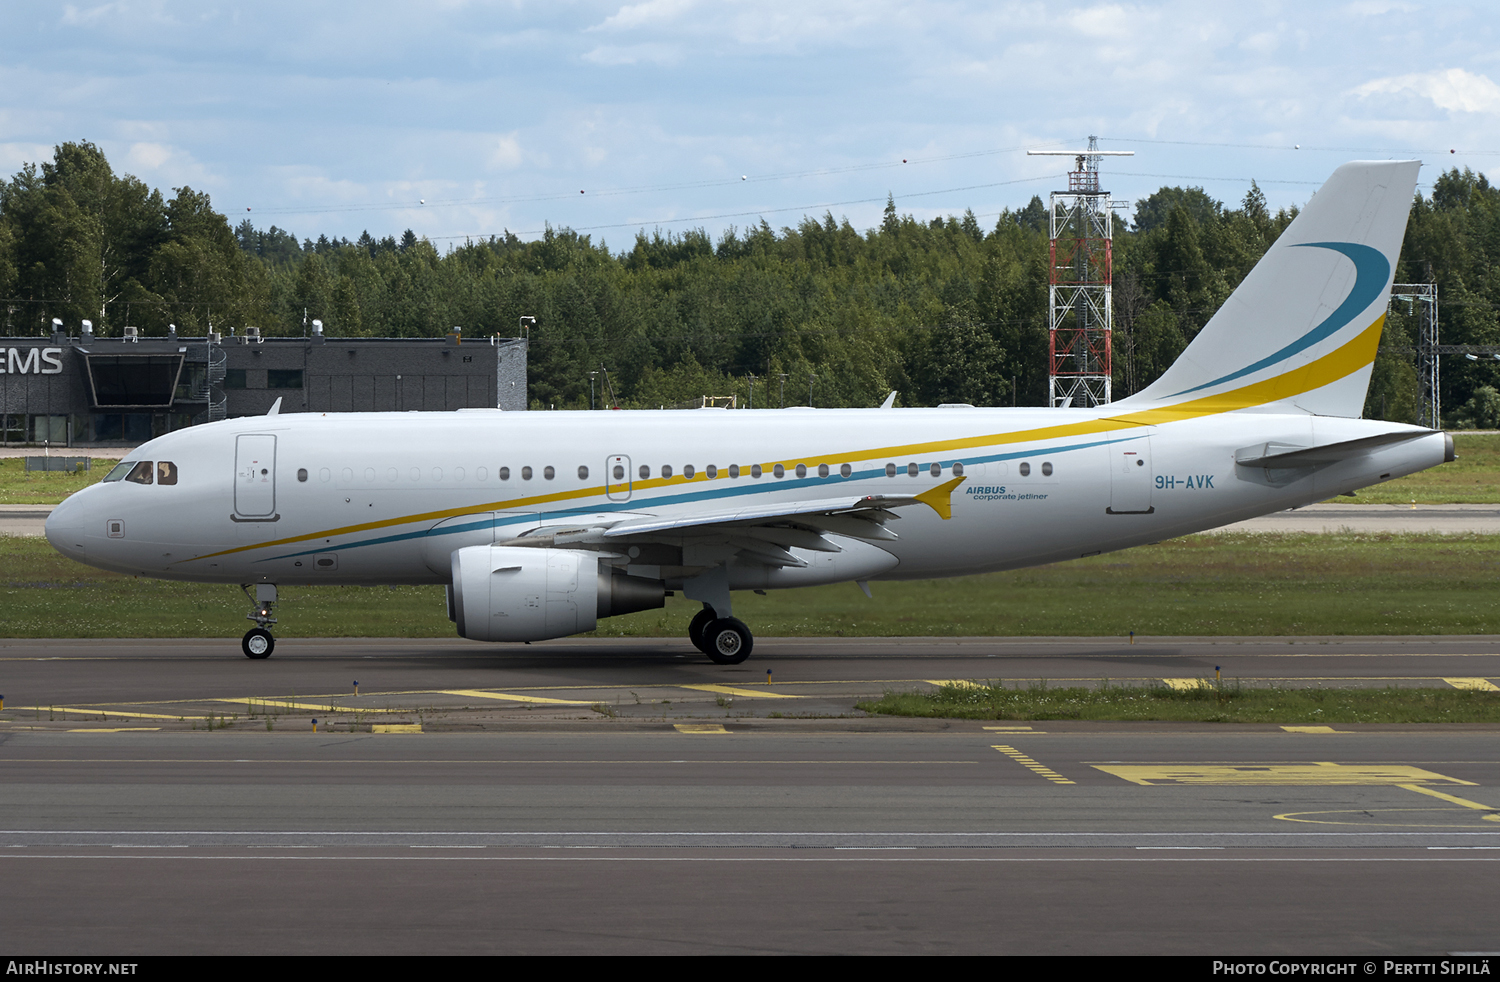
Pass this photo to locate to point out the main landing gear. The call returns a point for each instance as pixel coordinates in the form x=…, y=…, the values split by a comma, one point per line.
x=257, y=642
x=725, y=640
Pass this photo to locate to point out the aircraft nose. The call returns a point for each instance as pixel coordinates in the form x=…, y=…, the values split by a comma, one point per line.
x=64, y=527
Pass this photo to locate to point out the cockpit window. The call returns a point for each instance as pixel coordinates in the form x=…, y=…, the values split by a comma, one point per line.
x=140, y=473
x=118, y=472
x=166, y=472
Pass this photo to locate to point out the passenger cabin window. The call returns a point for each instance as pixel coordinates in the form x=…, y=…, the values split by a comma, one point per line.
x=505, y=473
x=958, y=470
x=666, y=470
x=583, y=473
x=844, y=471
x=166, y=472
x=140, y=473
x=526, y=473
x=688, y=472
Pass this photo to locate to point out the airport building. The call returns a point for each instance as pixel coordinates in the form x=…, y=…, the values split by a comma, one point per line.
x=83, y=391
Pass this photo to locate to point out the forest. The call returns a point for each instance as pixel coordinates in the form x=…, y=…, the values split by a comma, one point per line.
x=945, y=310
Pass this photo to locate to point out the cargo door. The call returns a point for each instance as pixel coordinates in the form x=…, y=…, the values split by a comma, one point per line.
x=1130, y=473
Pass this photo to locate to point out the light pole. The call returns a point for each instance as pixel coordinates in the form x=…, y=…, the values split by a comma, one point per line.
x=750, y=403
x=591, y=389
x=810, y=380
x=782, y=376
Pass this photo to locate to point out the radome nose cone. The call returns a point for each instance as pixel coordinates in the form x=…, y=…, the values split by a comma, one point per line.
x=64, y=528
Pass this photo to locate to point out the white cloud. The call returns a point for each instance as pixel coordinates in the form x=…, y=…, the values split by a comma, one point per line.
x=506, y=154
x=652, y=13
x=665, y=55
x=1452, y=89
x=1374, y=8
x=147, y=156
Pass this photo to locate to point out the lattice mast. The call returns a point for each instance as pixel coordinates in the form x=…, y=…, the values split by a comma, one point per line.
x=1424, y=297
x=1080, y=316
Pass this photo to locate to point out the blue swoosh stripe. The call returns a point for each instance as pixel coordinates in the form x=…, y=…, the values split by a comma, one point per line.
x=513, y=519
x=1371, y=273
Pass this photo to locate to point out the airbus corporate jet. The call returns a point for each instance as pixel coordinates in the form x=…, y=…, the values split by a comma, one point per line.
x=541, y=523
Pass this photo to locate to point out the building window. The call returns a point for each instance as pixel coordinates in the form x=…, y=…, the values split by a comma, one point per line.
x=234, y=378
x=284, y=378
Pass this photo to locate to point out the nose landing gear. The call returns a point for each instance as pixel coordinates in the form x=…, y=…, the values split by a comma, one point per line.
x=257, y=642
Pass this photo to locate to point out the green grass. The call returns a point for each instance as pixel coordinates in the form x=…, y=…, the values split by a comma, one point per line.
x=1229, y=703
x=1229, y=584
x=45, y=487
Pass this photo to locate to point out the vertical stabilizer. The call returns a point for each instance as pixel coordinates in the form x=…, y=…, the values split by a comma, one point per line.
x=1300, y=333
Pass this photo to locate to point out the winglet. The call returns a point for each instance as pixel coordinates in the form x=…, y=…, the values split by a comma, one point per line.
x=890, y=400
x=940, y=498
x=275, y=409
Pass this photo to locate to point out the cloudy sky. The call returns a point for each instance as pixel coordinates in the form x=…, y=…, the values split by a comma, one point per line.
x=468, y=117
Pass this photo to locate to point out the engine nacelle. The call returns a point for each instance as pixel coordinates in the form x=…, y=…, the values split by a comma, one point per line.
x=505, y=593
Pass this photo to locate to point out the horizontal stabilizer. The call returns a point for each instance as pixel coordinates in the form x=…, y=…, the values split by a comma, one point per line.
x=1288, y=455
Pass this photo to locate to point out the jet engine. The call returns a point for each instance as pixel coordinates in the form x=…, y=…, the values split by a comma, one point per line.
x=506, y=593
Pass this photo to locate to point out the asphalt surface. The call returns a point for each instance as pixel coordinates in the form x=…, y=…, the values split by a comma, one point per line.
x=682, y=816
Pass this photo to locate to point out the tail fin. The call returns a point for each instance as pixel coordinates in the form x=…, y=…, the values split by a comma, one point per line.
x=1300, y=333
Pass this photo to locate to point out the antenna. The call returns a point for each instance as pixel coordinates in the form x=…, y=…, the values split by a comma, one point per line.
x=1080, y=310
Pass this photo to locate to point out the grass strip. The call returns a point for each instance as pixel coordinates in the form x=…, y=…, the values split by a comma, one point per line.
x=1229, y=584
x=1229, y=702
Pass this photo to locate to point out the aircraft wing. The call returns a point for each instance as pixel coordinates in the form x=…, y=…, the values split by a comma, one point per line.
x=869, y=509
x=763, y=532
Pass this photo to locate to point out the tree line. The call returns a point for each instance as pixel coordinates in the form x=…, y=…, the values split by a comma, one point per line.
x=945, y=310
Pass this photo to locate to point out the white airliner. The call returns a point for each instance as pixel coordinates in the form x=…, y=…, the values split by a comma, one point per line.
x=539, y=523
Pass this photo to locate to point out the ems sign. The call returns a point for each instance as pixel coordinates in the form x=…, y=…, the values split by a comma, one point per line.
x=30, y=361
